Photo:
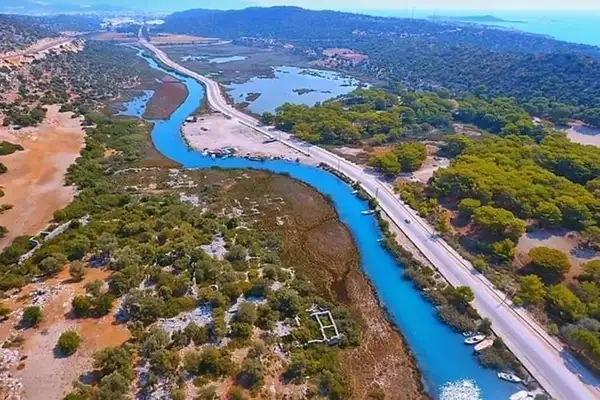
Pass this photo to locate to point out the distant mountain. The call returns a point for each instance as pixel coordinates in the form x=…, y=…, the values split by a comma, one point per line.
x=34, y=7
x=291, y=23
x=480, y=19
x=114, y=6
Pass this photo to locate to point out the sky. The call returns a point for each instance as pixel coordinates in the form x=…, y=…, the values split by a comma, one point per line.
x=546, y=5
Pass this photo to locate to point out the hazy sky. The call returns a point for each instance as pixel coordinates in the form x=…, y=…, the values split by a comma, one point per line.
x=571, y=5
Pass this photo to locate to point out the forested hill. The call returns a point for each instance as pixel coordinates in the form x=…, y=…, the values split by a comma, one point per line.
x=427, y=55
x=298, y=25
x=16, y=33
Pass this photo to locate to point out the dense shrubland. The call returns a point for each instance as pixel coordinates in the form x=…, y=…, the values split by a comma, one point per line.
x=501, y=186
x=151, y=243
x=17, y=33
x=555, y=79
x=81, y=82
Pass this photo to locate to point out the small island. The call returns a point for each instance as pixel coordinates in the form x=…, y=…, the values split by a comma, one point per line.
x=250, y=97
x=300, y=92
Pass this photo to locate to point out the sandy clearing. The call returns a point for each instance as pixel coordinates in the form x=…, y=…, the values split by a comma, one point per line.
x=563, y=240
x=34, y=183
x=214, y=131
x=430, y=165
x=579, y=133
x=45, y=375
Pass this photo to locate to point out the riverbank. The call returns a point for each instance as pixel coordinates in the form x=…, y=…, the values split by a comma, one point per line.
x=214, y=131
x=35, y=182
x=413, y=315
x=578, y=132
x=168, y=96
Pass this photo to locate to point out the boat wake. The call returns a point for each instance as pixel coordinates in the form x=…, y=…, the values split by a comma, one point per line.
x=460, y=390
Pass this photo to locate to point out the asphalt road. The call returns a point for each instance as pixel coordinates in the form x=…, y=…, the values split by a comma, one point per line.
x=555, y=369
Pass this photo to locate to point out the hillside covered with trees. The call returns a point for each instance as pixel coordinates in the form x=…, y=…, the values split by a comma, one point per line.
x=16, y=33
x=427, y=55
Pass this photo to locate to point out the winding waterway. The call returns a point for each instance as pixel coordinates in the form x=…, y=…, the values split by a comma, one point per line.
x=449, y=368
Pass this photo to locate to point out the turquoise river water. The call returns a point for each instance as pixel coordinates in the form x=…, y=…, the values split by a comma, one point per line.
x=449, y=368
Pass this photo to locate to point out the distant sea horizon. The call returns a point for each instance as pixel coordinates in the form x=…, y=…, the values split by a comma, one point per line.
x=575, y=27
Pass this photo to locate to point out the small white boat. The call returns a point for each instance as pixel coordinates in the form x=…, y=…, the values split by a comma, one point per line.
x=484, y=345
x=368, y=212
x=468, y=333
x=507, y=376
x=522, y=395
x=475, y=339
x=355, y=192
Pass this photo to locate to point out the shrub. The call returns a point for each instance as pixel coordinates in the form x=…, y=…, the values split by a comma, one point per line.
x=82, y=306
x=566, y=303
x=77, y=270
x=31, y=316
x=4, y=312
x=549, y=261
x=531, y=290
x=53, y=264
x=68, y=342
x=480, y=265
x=455, y=319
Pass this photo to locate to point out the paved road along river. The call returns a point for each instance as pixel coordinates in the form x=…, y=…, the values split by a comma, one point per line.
x=440, y=353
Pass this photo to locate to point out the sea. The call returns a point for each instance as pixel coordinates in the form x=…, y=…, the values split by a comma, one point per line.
x=575, y=27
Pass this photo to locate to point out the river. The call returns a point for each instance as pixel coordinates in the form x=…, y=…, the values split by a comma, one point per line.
x=449, y=368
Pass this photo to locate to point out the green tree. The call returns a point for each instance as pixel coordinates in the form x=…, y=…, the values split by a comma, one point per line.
x=411, y=156
x=53, y=264
x=498, y=221
x=549, y=262
x=82, y=306
x=267, y=118
x=107, y=244
x=4, y=312
x=387, y=162
x=503, y=250
x=126, y=257
x=591, y=271
x=591, y=234
x=114, y=360
x=68, y=342
x=78, y=247
x=566, y=303
x=548, y=215
x=241, y=330
x=246, y=313
x=468, y=206
x=531, y=290
x=31, y=316
x=114, y=386
x=456, y=145
x=236, y=253
x=104, y=304
x=461, y=295
x=77, y=270
x=251, y=373
x=165, y=362
x=94, y=287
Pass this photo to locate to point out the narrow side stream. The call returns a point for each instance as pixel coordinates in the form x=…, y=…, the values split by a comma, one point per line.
x=449, y=368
